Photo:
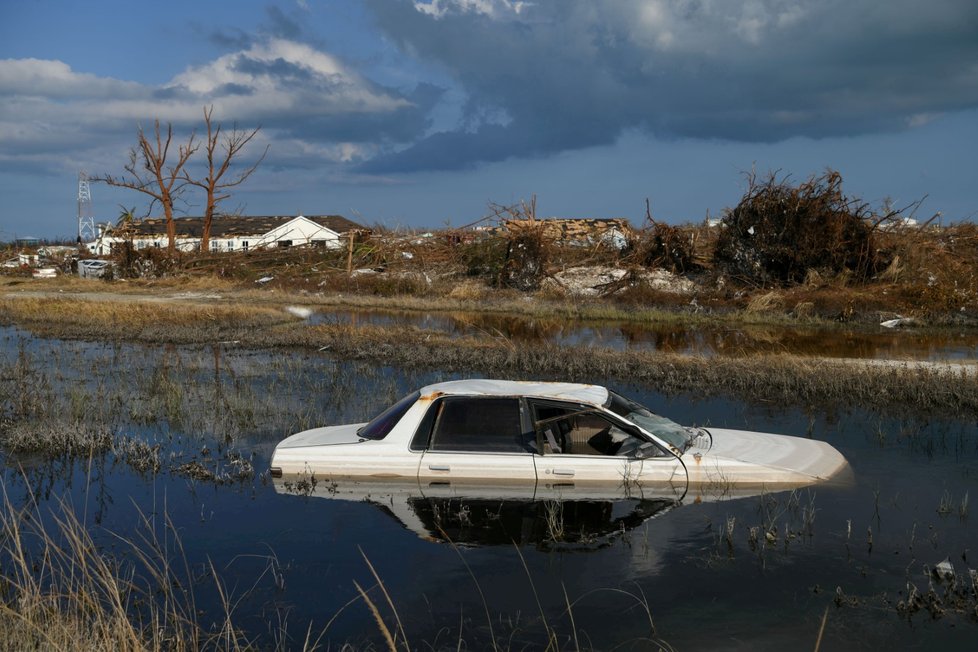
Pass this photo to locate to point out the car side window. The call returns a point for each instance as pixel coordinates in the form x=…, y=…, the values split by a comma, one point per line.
x=478, y=425
x=569, y=431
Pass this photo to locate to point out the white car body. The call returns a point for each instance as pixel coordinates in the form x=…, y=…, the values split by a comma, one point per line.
x=569, y=437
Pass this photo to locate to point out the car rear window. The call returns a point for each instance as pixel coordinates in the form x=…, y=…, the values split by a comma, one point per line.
x=479, y=425
x=384, y=422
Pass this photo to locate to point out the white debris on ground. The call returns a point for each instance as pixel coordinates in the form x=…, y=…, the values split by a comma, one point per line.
x=264, y=279
x=666, y=281
x=898, y=322
x=594, y=281
x=946, y=367
x=301, y=312
x=192, y=296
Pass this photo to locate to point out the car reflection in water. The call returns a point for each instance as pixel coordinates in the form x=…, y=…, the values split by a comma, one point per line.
x=501, y=514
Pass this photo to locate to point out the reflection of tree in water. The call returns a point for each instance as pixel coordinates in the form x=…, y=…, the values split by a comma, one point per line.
x=543, y=523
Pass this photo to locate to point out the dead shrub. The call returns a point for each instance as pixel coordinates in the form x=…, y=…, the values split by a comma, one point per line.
x=933, y=266
x=778, y=232
x=484, y=257
x=666, y=247
x=804, y=310
x=143, y=263
x=767, y=302
x=527, y=247
x=469, y=290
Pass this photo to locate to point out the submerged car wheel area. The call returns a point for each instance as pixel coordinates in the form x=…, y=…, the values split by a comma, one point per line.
x=545, y=436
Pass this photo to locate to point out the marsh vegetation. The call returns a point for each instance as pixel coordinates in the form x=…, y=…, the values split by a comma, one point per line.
x=135, y=440
x=137, y=417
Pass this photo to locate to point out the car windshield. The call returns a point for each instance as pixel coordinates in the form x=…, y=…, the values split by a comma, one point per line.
x=384, y=422
x=669, y=431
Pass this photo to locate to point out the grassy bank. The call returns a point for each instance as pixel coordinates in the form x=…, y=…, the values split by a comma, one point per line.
x=61, y=593
x=782, y=379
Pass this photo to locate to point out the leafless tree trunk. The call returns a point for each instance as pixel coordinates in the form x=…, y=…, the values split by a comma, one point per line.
x=218, y=164
x=150, y=175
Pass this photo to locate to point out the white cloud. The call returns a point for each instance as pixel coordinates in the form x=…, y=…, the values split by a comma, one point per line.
x=56, y=79
x=48, y=110
x=491, y=8
x=257, y=77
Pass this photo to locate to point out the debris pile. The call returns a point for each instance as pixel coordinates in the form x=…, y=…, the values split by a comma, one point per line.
x=778, y=232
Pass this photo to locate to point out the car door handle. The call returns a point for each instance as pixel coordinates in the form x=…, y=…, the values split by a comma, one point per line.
x=563, y=471
x=439, y=467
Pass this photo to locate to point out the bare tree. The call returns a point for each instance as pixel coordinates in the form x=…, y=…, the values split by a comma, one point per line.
x=218, y=164
x=150, y=174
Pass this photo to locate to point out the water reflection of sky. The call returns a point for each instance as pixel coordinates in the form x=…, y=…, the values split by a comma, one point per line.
x=700, y=594
x=704, y=340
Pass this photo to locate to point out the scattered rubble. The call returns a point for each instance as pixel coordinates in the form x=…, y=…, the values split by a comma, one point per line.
x=600, y=280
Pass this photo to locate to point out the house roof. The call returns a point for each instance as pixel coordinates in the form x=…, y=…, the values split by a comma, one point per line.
x=224, y=226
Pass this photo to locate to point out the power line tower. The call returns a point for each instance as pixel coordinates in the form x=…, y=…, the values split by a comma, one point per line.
x=86, y=216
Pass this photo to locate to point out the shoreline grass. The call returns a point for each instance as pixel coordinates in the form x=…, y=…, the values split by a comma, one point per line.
x=786, y=311
x=779, y=378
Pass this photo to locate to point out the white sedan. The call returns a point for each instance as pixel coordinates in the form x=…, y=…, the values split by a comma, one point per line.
x=551, y=435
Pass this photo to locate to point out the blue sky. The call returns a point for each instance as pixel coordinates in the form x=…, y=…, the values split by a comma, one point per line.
x=420, y=113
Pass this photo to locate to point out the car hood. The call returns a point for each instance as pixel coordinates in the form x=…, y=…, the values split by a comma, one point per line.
x=328, y=436
x=743, y=457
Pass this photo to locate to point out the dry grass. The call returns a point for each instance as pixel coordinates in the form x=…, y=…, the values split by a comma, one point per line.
x=138, y=320
x=768, y=302
x=782, y=378
x=62, y=593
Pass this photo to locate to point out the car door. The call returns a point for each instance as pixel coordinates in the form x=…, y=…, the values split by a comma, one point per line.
x=473, y=441
x=585, y=449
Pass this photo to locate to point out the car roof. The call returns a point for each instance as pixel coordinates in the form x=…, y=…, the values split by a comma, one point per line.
x=593, y=394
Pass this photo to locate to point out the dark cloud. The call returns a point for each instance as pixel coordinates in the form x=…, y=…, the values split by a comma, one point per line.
x=174, y=92
x=279, y=68
x=230, y=39
x=570, y=74
x=281, y=25
x=406, y=124
x=233, y=89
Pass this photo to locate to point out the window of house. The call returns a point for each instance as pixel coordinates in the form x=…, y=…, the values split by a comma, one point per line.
x=284, y=243
x=215, y=245
x=244, y=245
x=485, y=425
x=230, y=245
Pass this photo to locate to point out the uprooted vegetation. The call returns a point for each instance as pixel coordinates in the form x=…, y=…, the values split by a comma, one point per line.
x=780, y=233
x=803, y=251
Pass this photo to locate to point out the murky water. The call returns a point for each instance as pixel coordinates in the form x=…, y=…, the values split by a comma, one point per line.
x=621, y=567
x=863, y=342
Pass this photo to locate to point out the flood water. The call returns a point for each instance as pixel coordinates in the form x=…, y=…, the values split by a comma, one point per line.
x=857, y=342
x=622, y=566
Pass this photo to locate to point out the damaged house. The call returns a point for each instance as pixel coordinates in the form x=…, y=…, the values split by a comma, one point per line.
x=231, y=233
x=615, y=232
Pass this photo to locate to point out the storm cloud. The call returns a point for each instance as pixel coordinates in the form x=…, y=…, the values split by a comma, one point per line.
x=569, y=74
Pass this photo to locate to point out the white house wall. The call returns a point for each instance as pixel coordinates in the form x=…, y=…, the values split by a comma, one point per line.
x=298, y=231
